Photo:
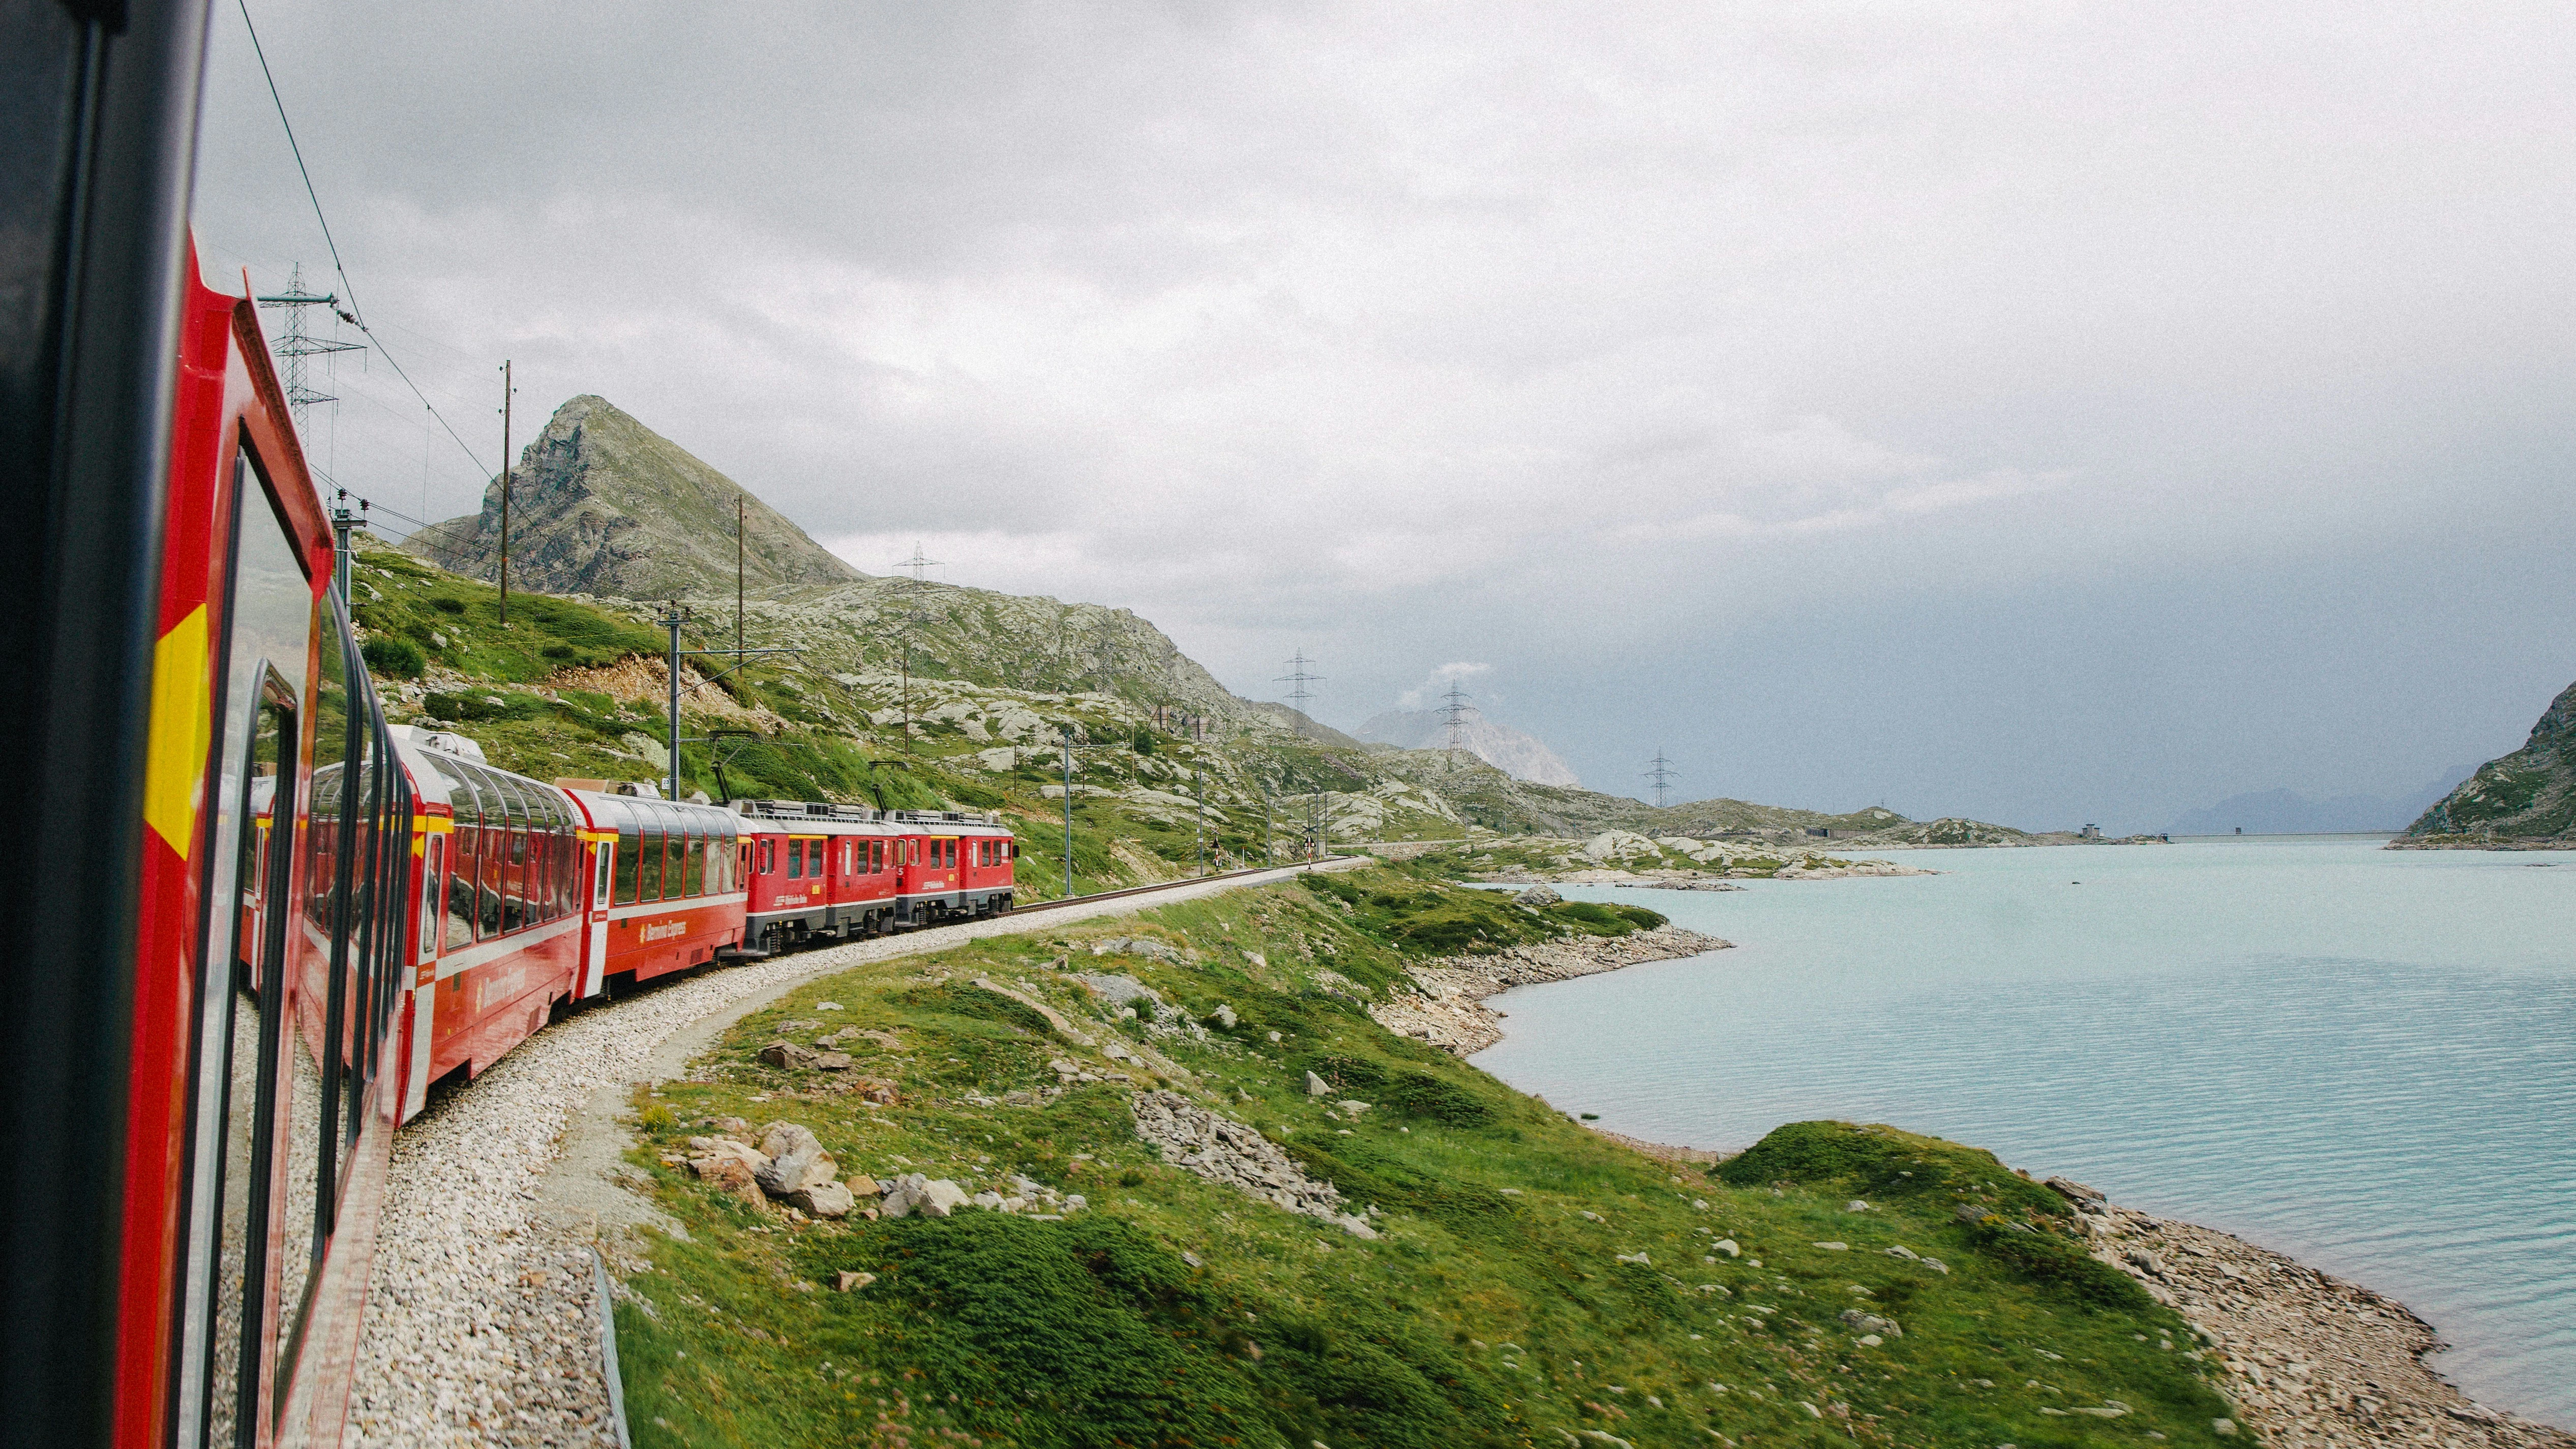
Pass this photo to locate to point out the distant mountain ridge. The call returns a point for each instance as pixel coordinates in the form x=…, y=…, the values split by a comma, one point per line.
x=2287, y=812
x=1511, y=751
x=2527, y=795
x=601, y=504
x=604, y=506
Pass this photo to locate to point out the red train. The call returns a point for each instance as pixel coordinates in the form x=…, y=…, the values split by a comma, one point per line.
x=251, y=922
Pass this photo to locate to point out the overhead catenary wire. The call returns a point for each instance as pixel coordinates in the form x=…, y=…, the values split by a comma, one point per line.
x=356, y=315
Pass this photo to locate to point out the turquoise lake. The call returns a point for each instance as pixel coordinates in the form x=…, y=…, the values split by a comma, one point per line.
x=2361, y=1057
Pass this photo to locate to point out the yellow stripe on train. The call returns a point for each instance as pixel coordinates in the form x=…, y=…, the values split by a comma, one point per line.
x=183, y=728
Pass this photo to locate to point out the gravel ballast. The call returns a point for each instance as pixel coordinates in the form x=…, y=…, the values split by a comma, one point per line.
x=482, y=1315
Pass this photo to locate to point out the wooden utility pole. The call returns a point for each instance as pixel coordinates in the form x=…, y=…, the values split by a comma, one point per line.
x=506, y=390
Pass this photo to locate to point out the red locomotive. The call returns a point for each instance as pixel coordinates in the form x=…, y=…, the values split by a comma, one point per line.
x=254, y=922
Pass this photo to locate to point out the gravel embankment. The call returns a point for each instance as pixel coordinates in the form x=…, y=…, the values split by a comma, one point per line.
x=1448, y=1010
x=2312, y=1360
x=482, y=1321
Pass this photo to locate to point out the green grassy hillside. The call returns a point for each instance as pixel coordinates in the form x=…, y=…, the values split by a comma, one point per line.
x=1531, y=1283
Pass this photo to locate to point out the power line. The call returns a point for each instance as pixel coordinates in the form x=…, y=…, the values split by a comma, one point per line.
x=356, y=315
x=1298, y=677
x=1663, y=774
x=1459, y=706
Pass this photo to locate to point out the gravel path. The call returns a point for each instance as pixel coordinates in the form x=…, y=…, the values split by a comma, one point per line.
x=482, y=1319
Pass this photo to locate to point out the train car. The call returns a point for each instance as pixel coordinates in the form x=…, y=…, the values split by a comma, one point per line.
x=665, y=887
x=495, y=908
x=263, y=994
x=954, y=864
x=816, y=869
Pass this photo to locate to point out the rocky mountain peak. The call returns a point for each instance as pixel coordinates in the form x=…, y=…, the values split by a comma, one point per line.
x=1516, y=754
x=601, y=504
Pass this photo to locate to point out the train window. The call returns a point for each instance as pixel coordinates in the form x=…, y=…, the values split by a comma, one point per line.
x=694, y=860
x=495, y=882
x=795, y=859
x=650, y=863
x=460, y=886
x=630, y=863
x=514, y=881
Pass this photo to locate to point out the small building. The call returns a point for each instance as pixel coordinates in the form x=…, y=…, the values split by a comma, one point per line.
x=2089, y=832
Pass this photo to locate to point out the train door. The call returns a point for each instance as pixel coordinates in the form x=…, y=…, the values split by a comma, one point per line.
x=437, y=832
x=603, y=855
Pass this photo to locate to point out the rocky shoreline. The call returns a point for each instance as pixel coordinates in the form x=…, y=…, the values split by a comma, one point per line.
x=2312, y=1360
x=1450, y=1013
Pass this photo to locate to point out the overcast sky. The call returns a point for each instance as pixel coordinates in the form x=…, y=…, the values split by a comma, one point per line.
x=2043, y=412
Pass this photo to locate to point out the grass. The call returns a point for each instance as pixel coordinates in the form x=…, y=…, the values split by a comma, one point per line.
x=1505, y=1303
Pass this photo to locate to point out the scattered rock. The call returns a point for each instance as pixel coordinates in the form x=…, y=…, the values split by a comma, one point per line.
x=1538, y=895
x=789, y=1055
x=1145, y=946
x=917, y=1193
x=731, y=1167
x=849, y=1282
x=833, y=1062
x=1225, y=1016
x=1835, y=1247
x=1728, y=1247
x=1860, y=1322
x=1971, y=1212
x=1444, y=1006
x=1317, y=1086
x=823, y=1200
x=1902, y=1251
x=2075, y=1192
x=1856, y=1206
x=1640, y=1259
x=2222, y=1427
x=1225, y=1151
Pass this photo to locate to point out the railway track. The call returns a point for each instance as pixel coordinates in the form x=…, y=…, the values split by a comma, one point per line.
x=482, y=1311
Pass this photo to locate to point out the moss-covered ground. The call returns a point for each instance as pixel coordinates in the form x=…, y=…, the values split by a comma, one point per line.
x=1532, y=1281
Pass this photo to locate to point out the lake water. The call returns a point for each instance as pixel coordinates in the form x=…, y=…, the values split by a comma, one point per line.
x=2363, y=1058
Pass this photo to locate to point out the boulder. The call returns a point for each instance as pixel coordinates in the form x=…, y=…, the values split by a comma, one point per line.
x=731, y=1168
x=781, y=1138
x=797, y=1171
x=797, y=1161
x=823, y=1199
x=1317, y=1086
x=915, y=1193
x=833, y=1062
x=2076, y=1192
x=1728, y=1247
x=1225, y=1016
x=848, y=1282
x=863, y=1185
x=789, y=1055
x=1538, y=895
